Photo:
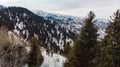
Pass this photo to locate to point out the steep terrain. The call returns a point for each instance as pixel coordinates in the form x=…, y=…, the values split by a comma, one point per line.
x=53, y=30
x=27, y=24
x=71, y=22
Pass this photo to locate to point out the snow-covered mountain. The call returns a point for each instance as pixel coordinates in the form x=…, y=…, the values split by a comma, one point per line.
x=53, y=30
x=27, y=24
x=1, y=7
x=71, y=21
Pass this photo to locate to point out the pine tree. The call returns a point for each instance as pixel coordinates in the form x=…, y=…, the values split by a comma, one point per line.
x=109, y=55
x=66, y=49
x=82, y=54
x=35, y=57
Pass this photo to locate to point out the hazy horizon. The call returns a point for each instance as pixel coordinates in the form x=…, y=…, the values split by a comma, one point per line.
x=80, y=8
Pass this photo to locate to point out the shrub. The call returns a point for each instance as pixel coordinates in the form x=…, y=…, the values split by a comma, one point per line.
x=12, y=54
x=35, y=57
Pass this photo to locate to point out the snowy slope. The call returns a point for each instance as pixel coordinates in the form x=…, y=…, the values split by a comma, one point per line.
x=59, y=17
x=73, y=23
x=54, y=60
x=53, y=30
x=27, y=24
x=50, y=60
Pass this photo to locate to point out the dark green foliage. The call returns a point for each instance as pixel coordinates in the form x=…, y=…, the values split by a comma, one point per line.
x=109, y=54
x=82, y=54
x=66, y=49
x=35, y=57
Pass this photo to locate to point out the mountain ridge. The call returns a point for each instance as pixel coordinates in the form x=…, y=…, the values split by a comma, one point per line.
x=27, y=24
x=53, y=31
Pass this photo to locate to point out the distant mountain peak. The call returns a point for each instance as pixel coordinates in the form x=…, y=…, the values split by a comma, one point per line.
x=1, y=7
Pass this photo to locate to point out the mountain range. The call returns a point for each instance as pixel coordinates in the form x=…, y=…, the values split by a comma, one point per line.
x=52, y=30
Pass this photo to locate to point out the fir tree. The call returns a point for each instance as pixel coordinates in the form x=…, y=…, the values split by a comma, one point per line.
x=66, y=49
x=82, y=54
x=35, y=57
x=109, y=55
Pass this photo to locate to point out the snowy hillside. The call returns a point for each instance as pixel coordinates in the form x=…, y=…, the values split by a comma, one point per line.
x=52, y=60
x=71, y=22
x=53, y=30
x=27, y=24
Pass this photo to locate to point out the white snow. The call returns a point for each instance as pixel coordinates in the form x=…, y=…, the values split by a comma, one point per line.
x=20, y=25
x=17, y=19
x=23, y=31
x=52, y=61
x=41, y=13
x=28, y=49
x=24, y=14
x=52, y=31
x=16, y=31
x=36, y=36
x=58, y=32
x=102, y=33
x=54, y=40
x=26, y=32
x=61, y=42
x=70, y=41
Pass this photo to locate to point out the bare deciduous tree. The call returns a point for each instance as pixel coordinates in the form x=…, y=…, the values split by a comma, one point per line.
x=12, y=53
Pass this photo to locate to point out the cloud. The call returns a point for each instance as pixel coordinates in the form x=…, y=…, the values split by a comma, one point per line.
x=73, y=4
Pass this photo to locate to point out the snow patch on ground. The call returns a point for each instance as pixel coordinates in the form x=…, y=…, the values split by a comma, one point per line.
x=54, y=60
x=16, y=31
x=20, y=25
x=51, y=59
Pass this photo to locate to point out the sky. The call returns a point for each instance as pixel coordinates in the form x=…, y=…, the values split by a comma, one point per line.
x=80, y=8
